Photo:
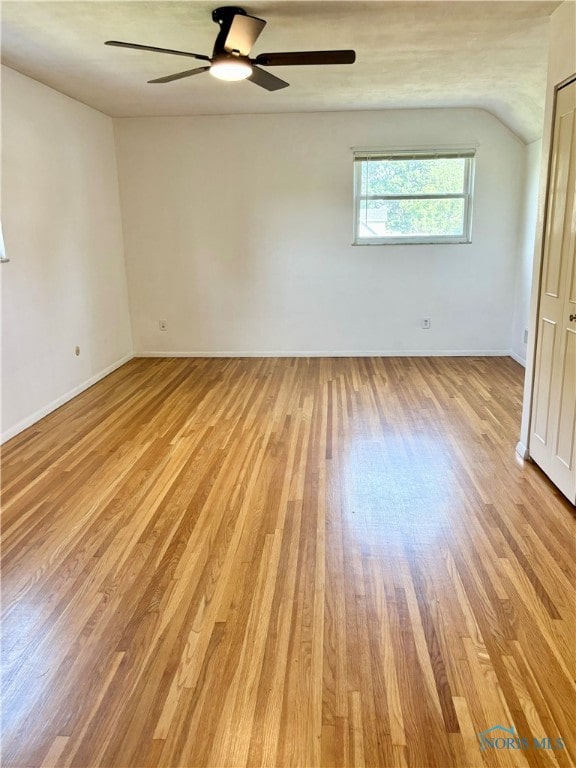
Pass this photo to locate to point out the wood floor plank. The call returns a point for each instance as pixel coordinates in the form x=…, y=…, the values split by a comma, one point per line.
x=286, y=562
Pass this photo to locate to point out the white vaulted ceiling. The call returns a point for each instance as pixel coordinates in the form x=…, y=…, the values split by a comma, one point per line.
x=490, y=55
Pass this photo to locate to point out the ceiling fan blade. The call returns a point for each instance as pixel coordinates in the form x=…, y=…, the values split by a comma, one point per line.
x=266, y=80
x=180, y=75
x=139, y=47
x=243, y=33
x=295, y=58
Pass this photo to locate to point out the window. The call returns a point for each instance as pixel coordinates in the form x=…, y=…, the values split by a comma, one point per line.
x=3, y=256
x=413, y=196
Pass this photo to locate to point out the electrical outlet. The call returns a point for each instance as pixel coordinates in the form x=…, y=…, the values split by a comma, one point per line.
x=425, y=323
x=163, y=325
x=526, y=336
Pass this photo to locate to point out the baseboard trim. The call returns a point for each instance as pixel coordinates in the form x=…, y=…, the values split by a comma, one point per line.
x=45, y=410
x=334, y=353
x=518, y=359
x=522, y=450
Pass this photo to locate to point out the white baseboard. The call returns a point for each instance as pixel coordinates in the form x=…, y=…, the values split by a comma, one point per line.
x=45, y=410
x=518, y=359
x=334, y=353
x=522, y=450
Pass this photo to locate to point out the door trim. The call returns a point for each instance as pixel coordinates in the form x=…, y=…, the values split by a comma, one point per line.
x=524, y=450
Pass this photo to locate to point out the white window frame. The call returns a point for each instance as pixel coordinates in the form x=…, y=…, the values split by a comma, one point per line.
x=3, y=257
x=468, y=154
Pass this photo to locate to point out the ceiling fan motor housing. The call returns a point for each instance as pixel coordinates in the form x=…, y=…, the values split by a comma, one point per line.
x=224, y=17
x=219, y=15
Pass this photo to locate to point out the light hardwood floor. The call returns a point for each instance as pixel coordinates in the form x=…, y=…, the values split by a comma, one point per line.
x=285, y=562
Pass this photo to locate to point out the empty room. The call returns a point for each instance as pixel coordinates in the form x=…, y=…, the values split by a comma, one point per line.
x=288, y=411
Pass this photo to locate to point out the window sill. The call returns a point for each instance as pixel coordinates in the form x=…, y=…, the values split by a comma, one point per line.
x=413, y=242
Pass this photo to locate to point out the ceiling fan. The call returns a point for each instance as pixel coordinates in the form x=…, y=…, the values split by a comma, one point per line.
x=230, y=58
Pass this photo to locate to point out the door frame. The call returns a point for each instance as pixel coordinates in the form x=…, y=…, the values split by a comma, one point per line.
x=523, y=445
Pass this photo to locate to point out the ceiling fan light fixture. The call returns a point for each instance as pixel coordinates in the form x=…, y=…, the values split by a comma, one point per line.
x=230, y=58
x=231, y=69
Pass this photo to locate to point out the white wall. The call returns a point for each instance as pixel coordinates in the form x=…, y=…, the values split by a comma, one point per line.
x=521, y=319
x=65, y=284
x=238, y=232
x=561, y=65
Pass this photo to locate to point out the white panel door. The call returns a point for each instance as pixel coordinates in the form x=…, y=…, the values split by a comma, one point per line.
x=553, y=424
